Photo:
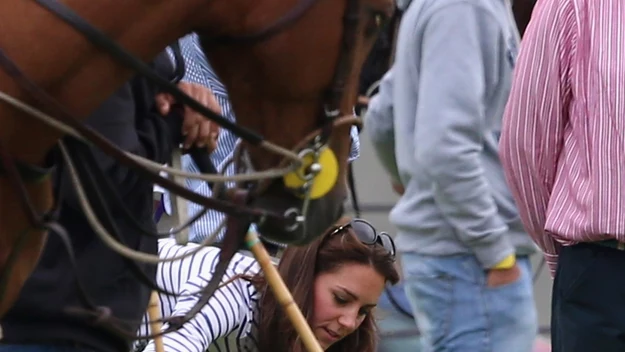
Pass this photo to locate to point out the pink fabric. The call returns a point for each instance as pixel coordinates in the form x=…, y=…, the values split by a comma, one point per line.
x=563, y=137
x=542, y=345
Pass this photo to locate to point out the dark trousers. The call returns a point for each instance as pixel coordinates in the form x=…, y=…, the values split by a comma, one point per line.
x=588, y=304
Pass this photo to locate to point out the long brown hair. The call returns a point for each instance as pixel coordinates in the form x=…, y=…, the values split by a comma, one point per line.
x=299, y=267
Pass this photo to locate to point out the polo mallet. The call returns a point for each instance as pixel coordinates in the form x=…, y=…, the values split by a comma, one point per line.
x=202, y=160
x=156, y=324
x=282, y=293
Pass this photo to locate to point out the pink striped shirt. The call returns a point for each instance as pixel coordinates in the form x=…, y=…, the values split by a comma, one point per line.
x=563, y=138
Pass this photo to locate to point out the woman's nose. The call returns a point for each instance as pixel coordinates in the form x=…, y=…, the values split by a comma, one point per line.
x=349, y=321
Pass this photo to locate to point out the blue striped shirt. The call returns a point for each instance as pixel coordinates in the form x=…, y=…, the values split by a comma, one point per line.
x=199, y=71
x=229, y=321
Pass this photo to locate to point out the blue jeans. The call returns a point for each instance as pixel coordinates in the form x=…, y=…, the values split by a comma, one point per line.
x=397, y=331
x=457, y=312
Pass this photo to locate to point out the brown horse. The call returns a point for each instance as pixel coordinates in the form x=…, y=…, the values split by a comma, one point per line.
x=278, y=86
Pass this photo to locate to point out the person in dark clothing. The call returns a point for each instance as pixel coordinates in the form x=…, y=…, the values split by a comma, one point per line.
x=40, y=321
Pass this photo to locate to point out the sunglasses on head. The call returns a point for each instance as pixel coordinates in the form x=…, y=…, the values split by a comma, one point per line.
x=367, y=234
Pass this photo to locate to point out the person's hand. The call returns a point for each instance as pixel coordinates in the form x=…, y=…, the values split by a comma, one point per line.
x=363, y=100
x=398, y=188
x=197, y=130
x=500, y=277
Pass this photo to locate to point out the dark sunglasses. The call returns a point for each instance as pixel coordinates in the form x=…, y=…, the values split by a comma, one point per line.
x=368, y=235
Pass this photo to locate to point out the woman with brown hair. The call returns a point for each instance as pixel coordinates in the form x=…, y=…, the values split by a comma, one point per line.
x=336, y=281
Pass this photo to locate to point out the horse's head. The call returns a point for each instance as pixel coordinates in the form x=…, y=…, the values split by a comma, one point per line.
x=291, y=68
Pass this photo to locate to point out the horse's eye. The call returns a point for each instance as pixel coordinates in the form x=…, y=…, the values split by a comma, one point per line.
x=376, y=20
x=379, y=19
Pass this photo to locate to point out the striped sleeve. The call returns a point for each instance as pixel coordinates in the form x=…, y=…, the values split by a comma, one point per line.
x=194, y=70
x=534, y=120
x=229, y=309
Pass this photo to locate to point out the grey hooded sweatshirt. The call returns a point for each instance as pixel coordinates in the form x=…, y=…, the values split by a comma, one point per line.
x=435, y=125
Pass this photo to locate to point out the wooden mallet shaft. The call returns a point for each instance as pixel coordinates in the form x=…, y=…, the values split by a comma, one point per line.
x=282, y=293
x=154, y=316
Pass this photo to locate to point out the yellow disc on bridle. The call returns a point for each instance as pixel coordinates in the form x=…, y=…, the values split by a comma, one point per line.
x=319, y=171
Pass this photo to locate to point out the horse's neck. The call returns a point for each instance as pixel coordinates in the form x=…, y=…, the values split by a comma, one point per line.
x=59, y=59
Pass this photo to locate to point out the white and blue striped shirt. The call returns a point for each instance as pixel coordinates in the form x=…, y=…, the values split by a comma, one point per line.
x=199, y=71
x=229, y=321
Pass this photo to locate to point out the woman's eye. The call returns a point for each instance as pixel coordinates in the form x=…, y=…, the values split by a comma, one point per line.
x=364, y=311
x=339, y=299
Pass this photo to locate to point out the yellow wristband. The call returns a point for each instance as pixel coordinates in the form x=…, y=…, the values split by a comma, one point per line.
x=507, y=263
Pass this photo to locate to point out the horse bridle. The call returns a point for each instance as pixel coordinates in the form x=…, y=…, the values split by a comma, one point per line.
x=332, y=113
x=317, y=139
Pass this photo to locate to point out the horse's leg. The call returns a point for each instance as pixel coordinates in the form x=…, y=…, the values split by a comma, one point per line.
x=28, y=141
x=10, y=233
